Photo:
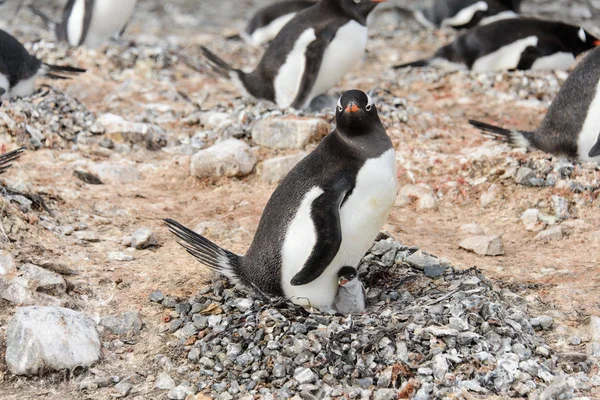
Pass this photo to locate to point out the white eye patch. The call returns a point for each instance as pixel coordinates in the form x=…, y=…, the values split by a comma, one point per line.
x=357, y=1
x=339, y=104
x=582, y=35
x=369, y=103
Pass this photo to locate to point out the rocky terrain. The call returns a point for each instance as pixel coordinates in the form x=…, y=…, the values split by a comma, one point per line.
x=482, y=286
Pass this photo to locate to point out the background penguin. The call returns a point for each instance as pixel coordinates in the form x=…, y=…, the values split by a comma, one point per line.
x=572, y=125
x=18, y=69
x=266, y=23
x=350, y=297
x=461, y=14
x=324, y=214
x=523, y=43
x=310, y=54
x=90, y=22
x=9, y=157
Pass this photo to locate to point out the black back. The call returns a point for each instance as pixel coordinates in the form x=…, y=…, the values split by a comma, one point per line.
x=326, y=17
x=560, y=129
x=270, y=13
x=443, y=9
x=61, y=28
x=332, y=166
x=552, y=37
x=15, y=62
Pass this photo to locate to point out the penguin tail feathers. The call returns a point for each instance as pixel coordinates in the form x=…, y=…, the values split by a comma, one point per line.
x=7, y=158
x=517, y=138
x=205, y=251
x=219, y=65
x=62, y=71
x=415, y=64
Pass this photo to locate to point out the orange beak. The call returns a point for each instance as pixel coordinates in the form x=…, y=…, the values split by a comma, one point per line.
x=352, y=108
x=342, y=281
x=597, y=43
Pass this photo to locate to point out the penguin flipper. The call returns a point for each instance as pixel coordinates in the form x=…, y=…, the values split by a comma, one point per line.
x=314, y=53
x=414, y=64
x=217, y=63
x=595, y=150
x=325, y=214
x=11, y=156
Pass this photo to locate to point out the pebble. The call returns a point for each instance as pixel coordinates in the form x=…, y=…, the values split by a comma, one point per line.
x=524, y=176
x=304, y=375
x=385, y=394
x=229, y=158
x=288, y=132
x=156, y=296
x=484, y=245
x=164, y=381
x=552, y=233
x=119, y=256
x=127, y=324
x=180, y=392
x=123, y=388
x=143, y=238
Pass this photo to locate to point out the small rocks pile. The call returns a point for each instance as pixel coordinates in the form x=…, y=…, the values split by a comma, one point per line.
x=430, y=331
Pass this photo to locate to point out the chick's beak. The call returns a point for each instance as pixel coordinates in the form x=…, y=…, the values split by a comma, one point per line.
x=597, y=43
x=342, y=281
x=350, y=108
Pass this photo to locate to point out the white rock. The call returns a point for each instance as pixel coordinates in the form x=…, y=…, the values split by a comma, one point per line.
x=288, y=133
x=552, y=233
x=143, y=238
x=164, y=381
x=488, y=196
x=231, y=157
x=119, y=256
x=120, y=130
x=531, y=219
x=426, y=199
x=30, y=285
x=275, y=169
x=304, y=375
x=180, y=392
x=87, y=236
x=115, y=173
x=50, y=338
x=42, y=279
x=485, y=245
x=7, y=263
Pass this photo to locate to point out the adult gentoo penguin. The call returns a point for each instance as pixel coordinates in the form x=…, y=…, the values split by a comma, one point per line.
x=324, y=214
x=308, y=56
x=523, y=43
x=350, y=297
x=461, y=14
x=571, y=127
x=18, y=68
x=266, y=23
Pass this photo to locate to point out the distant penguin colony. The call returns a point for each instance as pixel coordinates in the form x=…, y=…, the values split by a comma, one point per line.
x=266, y=23
x=464, y=14
x=19, y=69
x=308, y=56
x=324, y=214
x=571, y=127
x=514, y=44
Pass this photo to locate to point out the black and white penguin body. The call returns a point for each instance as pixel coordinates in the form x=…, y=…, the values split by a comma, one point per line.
x=92, y=22
x=310, y=54
x=350, y=297
x=461, y=14
x=19, y=69
x=510, y=44
x=571, y=127
x=266, y=23
x=324, y=214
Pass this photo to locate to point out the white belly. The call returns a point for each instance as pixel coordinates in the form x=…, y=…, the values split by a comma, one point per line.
x=465, y=15
x=362, y=216
x=500, y=16
x=505, y=58
x=4, y=84
x=75, y=22
x=23, y=88
x=343, y=53
x=288, y=79
x=108, y=19
x=591, y=130
x=267, y=33
x=562, y=60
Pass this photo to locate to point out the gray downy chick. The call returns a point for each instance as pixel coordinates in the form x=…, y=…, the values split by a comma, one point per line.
x=350, y=297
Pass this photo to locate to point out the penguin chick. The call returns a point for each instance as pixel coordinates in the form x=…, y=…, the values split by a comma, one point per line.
x=266, y=23
x=7, y=158
x=571, y=127
x=324, y=214
x=309, y=55
x=18, y=69
x=510, y=44
x=350, y=297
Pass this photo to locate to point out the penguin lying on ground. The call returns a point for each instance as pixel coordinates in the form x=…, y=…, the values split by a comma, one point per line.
x=350, y=297
x=18, y=69
x=523, y=43
x=572, y=125
x=464, y=14
x=266, y=23
x=9, y=157
x=90, y=22
x=324, y=214
x=309, y=56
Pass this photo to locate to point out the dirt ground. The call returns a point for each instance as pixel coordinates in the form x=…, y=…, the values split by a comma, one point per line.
x=560, y=276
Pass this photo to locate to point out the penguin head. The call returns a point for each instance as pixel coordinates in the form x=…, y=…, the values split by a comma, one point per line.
x=581, y=40
x=346, y=275
x=358, y=9
x=355, y=111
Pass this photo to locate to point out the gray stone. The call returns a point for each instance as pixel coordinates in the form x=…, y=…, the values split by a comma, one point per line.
x=275, y=169
x=43, y=280
x=119, y=256
x=115, y=173
x=143, y=238
x=164, y=381
x=189, y=329
x=558, y=389
x=123, y=388
x=119, y=130
x=128, y=323
x=439, y=331
x=194, y=354
x=156, y=296
x=561, y=207
x=552, y=233
x=244, y=304
x=440, y=366
x=422, y=260
x=7, y=263
x=180, y=392
x=385, y=394
x=229, y=158
x=50, y=338
x=32, y=285
x=524, y=176
x=288, y=132
x=422, y=193
x=484, y=245
x=434, y=272
x=87, y=236
x=305, y=375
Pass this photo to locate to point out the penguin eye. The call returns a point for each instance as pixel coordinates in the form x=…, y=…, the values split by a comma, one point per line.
x=369, y=103
x=340, y=109
x=339, y=105
x=368, y=107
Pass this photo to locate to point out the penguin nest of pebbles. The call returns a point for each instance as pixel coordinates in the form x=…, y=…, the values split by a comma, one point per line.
x=430, y=331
